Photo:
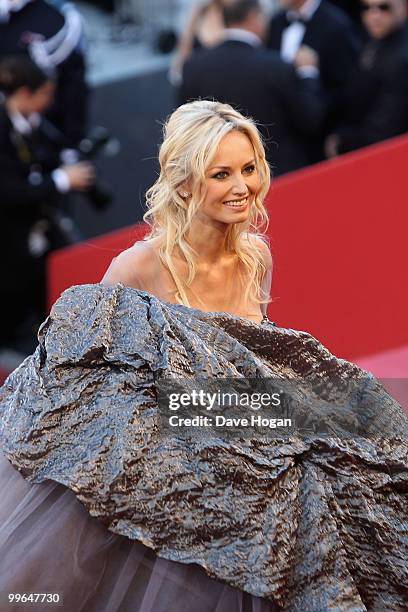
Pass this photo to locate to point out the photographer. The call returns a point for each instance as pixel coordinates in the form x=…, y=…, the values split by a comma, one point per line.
x=32, y=181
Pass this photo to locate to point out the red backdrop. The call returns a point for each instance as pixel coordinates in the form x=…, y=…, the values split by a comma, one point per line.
x=338, y=235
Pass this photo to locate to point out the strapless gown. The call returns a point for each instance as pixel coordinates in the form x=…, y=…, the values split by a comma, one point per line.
x=98, y=506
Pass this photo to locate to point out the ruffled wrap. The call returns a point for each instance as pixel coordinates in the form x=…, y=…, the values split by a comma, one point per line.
x=308, y=522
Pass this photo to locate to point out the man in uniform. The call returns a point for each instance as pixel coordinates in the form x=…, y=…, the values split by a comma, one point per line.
x=53, y=40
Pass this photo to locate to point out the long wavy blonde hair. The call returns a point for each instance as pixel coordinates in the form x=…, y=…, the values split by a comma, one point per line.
x=191, y=137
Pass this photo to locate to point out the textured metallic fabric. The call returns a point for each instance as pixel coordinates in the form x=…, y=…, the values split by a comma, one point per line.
x=311, y=523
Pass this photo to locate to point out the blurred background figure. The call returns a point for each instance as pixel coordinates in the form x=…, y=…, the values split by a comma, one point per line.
x=203, y=30
x=32, y=182
x=375, y=104
x=351, y=7
x=286, y=102
x=332, y=34
x=53, y=39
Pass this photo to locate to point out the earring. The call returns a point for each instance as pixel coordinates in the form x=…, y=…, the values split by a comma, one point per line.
x=185, y=194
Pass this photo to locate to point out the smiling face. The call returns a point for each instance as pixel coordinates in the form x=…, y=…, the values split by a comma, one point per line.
x=232, y=180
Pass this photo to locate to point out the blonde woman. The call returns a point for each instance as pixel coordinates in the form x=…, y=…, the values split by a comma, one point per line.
x=205, y=248
x=134, y=497
x=204, y=29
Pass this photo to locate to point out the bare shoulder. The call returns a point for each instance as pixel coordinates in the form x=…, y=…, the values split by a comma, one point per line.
x=133, y=267
x=260, y=243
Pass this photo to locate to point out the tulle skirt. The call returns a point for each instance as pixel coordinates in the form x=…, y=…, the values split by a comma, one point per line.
x=50, y=544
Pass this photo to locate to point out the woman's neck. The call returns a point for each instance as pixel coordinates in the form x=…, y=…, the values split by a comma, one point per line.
x=208, y=240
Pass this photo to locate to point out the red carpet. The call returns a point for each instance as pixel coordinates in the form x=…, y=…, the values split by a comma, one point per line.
x=392, y=368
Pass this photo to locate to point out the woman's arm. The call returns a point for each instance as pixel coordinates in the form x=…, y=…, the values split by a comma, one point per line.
x=185, y=44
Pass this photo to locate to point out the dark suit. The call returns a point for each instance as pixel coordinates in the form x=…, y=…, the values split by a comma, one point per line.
x=376, y=101
x=351, y=7
x=69, y=111
x=21, y=205
x=288, y=109
x=332, y=34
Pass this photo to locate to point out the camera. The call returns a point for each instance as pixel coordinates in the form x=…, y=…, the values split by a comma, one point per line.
x=60, y=229
x=99, y=141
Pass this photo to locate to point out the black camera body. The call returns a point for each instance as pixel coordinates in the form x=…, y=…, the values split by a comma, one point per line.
x=61, y=230
x=100, y=196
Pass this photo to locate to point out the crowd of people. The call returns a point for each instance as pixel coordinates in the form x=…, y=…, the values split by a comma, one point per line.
x=318, y=79
x=318, y=82
x=43, y=117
